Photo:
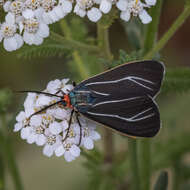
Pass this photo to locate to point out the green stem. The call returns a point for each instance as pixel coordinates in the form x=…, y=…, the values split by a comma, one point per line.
x=145, y=163
x=9, y=156
x=103, y=41
x=104, y=46
x=72, y=44
x=152, y=28
x=84, y=73
x=166, y=37
x=135, y=182
x=144, y=146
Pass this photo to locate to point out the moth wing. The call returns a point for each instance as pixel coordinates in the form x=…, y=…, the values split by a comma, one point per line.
x=134, y=116
x=143, y=77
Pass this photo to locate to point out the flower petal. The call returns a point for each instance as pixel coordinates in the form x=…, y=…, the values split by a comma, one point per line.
x=125, y=15
x=68, y=156
x=88, y=143
x=59, y=151
x=25, y=132
x=105, y=6
x=145, y=17
x=55, y=128
x=94, y=14
x=75, y=150
x=48, y=150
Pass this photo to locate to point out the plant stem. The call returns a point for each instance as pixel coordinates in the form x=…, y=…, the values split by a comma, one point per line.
x=172, y=30
x=144, y=145
x=9, y=155
x=135, y=182
x=74, y=45
x=145, y=163
x=104, y=46
x=103, y=41
x=84, y=73
x=152, y=28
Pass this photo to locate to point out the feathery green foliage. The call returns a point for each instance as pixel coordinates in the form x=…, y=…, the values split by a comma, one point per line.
x=46, y=50
x=177, y=80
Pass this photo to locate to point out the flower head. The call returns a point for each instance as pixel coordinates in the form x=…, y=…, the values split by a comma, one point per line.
x=135, y=8
x=50, y=127
x=8, y=32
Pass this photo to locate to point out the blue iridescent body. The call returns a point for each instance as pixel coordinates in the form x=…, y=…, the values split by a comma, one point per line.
x=81, y=98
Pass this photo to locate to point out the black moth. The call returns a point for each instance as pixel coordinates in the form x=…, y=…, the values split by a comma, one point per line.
x=121, y=98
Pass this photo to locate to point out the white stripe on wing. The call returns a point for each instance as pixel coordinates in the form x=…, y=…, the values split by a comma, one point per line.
x=131, y=119
x=116, y=101
x=131, y=78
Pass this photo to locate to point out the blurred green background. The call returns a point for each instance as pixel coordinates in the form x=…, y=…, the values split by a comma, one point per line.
x=39, y=172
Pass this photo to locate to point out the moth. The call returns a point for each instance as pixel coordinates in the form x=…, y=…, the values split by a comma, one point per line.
x=122, y=98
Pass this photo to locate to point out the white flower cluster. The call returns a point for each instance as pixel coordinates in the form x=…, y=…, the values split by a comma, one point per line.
x=50, y=127
x=27, y=20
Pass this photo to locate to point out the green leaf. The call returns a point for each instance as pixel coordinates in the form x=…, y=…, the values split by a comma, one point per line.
x=162, y=181
x=42, y=51
x=176, y=80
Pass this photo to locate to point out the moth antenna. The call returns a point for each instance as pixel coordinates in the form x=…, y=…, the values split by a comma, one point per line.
x=45, y=108
x=38, y=92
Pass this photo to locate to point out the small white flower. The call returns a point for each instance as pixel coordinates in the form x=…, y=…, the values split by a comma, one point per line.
x=135, y=8
x=22, y=120
x=84, y=7
x=32, y=4
x=69, y=150
x=35, y=30
x=16, y=7
x=89, y=135
x=12, y=41
x=52, y=143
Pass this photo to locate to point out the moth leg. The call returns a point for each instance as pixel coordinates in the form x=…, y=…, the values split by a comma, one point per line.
x=77, y=117
x=59, y=92
x=45, y=108
x=74, y=83
x=70, y=120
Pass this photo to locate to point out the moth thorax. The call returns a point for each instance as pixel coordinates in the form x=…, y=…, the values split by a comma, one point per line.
x=51, y=139
x=31, y=25
x=8, y=30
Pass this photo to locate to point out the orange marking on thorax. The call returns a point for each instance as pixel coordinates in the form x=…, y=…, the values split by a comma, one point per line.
x=68, y=101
